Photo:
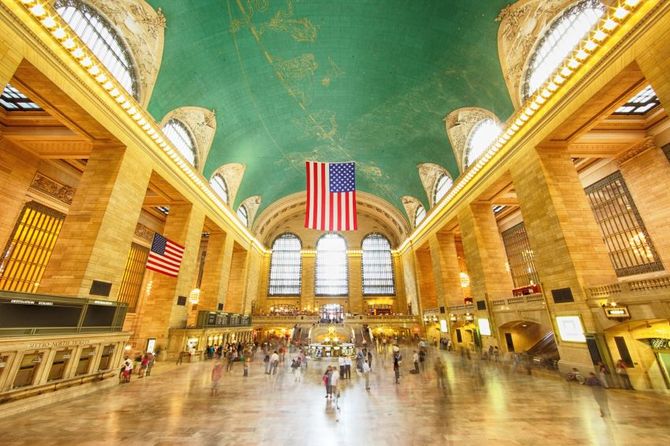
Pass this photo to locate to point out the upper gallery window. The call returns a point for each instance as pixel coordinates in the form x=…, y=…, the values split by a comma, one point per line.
x=219, y=185
x=101, y=38
x=243, y=215
x=332, y=278
x=180, y=137
x=481, y=137
x=419, y=215
x=640, y=104
x=377, y=266
x=13, y=100
x=285, y=266
x=442, y=186
x=559, y=40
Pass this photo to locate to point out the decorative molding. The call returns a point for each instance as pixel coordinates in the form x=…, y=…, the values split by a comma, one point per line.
x=429, y=173
x=53, y=188
x=411, y=204
x=142, y=28
x=251, y=204
x=636, y=149
x=202, y=125
x=458, y=125
x=144, y=233
x=233, y=174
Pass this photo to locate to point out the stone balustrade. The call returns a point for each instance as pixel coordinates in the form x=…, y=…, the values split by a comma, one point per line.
x=655, y=287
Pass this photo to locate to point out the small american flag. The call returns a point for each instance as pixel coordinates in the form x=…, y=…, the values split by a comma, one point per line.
x=331, y=196
x=165, y=256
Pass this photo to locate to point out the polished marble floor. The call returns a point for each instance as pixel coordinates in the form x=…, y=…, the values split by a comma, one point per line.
x=484, y=404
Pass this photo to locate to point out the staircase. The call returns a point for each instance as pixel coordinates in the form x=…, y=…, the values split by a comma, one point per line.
x=545, y=351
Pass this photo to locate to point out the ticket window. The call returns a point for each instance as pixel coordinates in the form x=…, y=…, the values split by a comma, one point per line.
x=106, y=358
x=85, y=359
x=60, y=362
x=30, y=364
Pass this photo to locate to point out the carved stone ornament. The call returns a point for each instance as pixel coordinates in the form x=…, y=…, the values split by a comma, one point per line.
x=202, y=124
x=232, y=173
x=458, y=124
x=142, y=29
x=429, y=174
x=144, y=233
x=636, y=149
x=410, y=204
x=251, y=204
x=53, y=188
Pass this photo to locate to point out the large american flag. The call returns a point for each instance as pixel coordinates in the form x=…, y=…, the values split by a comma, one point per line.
x=331, y=196
x=165, y=256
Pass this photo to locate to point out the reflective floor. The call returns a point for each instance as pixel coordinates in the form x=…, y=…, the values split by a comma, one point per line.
x=484, y=404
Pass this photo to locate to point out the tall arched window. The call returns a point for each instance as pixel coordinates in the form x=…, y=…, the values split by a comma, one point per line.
x=481, y=137
x=332, y=278
x=377, y=266
x=419, y=215
x=102, y=39
x=558, y=41
x=181, y=138
x=243, y=215
x=219, y=185
x=285, y=266
x=442, y=186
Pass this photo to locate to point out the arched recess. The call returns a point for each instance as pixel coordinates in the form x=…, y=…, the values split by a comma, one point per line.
x=201, y=124
x=232, y=173
x=288, y=215
x=142, y=29
x=459, y=124
x=412, y=207
x=430, y=173
x=251, y=204
x=522, y=25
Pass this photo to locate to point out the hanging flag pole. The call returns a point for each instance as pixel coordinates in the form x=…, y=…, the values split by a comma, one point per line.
x=331, y=196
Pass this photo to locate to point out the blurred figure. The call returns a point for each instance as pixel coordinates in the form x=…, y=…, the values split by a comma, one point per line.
x=599, y=394
x=440, y=370
x=217, y=374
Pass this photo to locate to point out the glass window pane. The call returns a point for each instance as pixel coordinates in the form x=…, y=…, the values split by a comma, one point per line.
x=243, y=215
x=481, y=137
x=180, y=137
x=442, y=187
x=419, y=215
x=219, y=185
x=332, y=278
x=377, y=266
x=285, y=266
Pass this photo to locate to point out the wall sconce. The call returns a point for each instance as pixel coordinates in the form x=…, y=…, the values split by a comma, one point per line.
x=194, y=296
x=465, y=280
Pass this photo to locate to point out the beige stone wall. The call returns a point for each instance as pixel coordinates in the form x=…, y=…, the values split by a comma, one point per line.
x=235, y=297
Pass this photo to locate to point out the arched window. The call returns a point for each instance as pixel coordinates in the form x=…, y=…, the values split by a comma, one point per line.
x=442, y=186
x=377, y=266
x=285, y=266
x=181, y=138
x=219, y=185
x=419, y=215
x=101, y=38
x=332, y=277
x=558, y=41
x=243, y=215
x=481, y=137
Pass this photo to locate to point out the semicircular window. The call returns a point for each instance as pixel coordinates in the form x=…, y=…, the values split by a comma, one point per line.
x=332, y=278
x=181, y=138
x=285, y=266
x=419, y=215
x=243, y=215
x=442, y=186
x=481, y=137
x=102, y=39
x=219, y=185
x=558, y=41
x=377, y=266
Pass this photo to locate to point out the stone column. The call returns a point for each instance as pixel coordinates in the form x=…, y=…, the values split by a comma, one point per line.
x=654, y=61
x=646, y=171
x=355, y=283
x=450, y=271
x=97, y=233
x=436, y=259
x=235, y=296
x=184, y=225
x=308, y=281
x=214, y=278
x=565, y=238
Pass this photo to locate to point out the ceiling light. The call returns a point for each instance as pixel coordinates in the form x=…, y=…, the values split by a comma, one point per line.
x=59, y=33
x=631, y=3
x=94, y=70
x=621, y=13
x=68, y=43
x=590, y=45
x=610, y=25
x=86, y=62
x=49, y=22
x=78, y=53
x=599, y=35
x=38, y=10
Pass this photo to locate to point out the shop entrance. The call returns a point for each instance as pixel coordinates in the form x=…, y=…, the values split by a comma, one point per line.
x=332, y=313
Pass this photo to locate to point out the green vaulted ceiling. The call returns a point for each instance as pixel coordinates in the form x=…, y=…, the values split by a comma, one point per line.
x=330, y=80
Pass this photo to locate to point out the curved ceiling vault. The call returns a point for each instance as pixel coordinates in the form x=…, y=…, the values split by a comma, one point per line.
x=369, y=81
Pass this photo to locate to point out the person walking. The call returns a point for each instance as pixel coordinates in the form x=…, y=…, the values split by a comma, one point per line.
x=415, y=359
x=127, y=371
x=150, y=364
x=347, y=367
x=297, y=369
x=333, y=381
x=370, y=359
x=439, y=373
x=366, y=374
x=274, y=362
x=397, y=359
x=622, y=373
x=266, y=360
x=217, y=374
x=599, y=394
x=326, y=381
x=247, y=360
x=341, y=361
x=603, y=373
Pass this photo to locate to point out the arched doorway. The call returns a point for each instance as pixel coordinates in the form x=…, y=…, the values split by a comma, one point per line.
x=531, y=338
x=332, y=313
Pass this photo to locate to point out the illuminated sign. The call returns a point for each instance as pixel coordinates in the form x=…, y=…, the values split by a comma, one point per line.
x=617, y=312
x=443, y=326
x=151, y=345
x=570, y=328
x=484, y=327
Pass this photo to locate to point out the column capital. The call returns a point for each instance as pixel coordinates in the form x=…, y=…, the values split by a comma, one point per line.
x=636, y=149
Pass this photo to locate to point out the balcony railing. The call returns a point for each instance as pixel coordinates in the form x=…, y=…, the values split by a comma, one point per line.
x=630, y=288
x=518, y=300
